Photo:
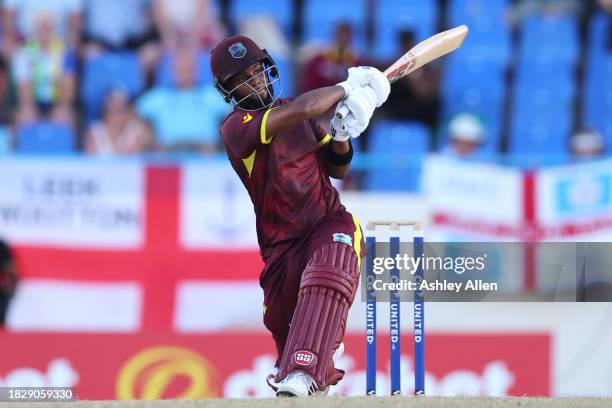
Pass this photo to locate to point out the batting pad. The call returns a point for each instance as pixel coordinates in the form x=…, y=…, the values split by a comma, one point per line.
x=327, y=290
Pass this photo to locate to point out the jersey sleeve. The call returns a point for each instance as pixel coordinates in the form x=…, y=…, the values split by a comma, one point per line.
x=244, y=132
x=321, y=135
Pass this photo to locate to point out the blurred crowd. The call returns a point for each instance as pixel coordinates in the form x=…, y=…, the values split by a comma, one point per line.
x=85, y=75
x=132, y=76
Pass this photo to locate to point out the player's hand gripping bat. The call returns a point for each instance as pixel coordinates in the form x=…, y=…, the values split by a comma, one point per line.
x=424, y=52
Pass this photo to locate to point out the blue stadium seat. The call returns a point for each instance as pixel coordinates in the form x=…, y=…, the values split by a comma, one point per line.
x=398, y=137
x=542, y=67
x=490, y=35
x=280, y=10
x=542, y=108
x=597, y=28
x=542, y=102
x=463, y=72
x=598, y=63
x=106, y=72
x=474, y=100
x=597, y=97
x=539, y=133
x=164, y=75
x=605, y=128
x=597, y=107
x=470, y=11
x=543, y=34
x=322, y=16
x=543, y=97
x=541, y=142
x=5, y=140
x=598, y=66
x=45, y=138
x=495, y=45
x=393, y=16
x=596, y=41
x=475, y=85
x=490, y=112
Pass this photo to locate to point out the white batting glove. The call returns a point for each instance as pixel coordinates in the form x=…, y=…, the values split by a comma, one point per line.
x=353, y=126
x=359, y=77
x=342, y=129
x=380, y=84
x=338, y=130
x=360, y=103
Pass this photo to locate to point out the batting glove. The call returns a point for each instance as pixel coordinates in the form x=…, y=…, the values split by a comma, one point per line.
x=359, y=77
x=360, y=104
x=338, y=129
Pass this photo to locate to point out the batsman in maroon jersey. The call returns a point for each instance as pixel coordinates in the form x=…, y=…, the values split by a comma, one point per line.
x=311, y=246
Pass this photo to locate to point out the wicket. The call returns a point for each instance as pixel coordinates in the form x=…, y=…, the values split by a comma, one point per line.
x=394, y=305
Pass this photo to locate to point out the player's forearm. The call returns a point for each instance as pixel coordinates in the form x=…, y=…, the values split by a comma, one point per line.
x=316, y=102
x=306, y=106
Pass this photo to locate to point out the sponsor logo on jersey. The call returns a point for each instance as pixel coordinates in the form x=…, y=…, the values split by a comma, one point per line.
x=345, y=239
x=246, y=118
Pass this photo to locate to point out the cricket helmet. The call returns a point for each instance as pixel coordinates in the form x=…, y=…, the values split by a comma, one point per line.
x=232, y=56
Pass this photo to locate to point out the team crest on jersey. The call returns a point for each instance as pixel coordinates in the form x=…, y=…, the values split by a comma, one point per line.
x=345, y=239
x=303, y=357
x=237, y=50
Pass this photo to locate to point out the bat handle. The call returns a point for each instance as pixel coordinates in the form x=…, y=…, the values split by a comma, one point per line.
x=342, y=111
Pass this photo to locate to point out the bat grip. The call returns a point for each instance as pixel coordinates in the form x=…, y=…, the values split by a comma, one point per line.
x=342, y=112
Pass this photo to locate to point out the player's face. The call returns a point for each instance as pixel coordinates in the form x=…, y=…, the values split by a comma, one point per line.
x=253, y=79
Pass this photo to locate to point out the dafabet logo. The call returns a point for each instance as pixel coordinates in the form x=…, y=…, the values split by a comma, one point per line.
x=166, y=372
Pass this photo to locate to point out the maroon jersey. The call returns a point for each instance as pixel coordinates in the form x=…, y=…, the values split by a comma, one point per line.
x=283, y=174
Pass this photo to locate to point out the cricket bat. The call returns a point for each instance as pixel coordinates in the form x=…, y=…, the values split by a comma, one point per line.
x=423, y=53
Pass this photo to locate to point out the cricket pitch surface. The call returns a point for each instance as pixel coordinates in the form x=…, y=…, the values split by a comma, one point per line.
x=340, y=402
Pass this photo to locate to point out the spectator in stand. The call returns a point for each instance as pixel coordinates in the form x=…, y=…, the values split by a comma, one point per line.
x=330, y=66
x=586, y=145
x=186, y=23
x=186, y=116
x=525, y=8
x=19, y=20
x=466, y=135
x=416, y=96
x=120, y=25
x=7, y=96
x=44, y=70
x=8, y=280
x=6, y=107
x=120, y=132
